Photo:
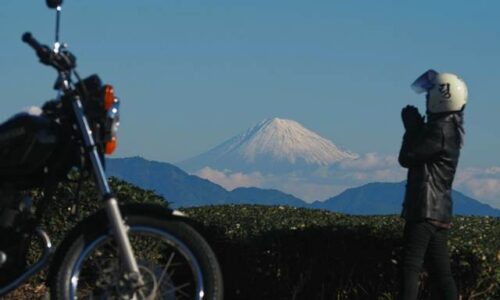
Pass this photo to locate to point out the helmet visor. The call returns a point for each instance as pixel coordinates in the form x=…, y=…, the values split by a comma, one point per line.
x=425, y=82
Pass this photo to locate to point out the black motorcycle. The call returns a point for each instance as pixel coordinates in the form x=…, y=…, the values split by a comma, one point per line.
x=134, y=251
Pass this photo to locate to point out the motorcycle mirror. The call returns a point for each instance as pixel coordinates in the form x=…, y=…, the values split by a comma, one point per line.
x=53, y=4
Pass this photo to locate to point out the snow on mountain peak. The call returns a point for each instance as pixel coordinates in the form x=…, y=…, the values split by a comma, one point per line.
x=287, y=140
x=272, y=145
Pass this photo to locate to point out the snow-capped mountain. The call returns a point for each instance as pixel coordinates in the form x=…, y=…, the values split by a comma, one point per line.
x=272, y=146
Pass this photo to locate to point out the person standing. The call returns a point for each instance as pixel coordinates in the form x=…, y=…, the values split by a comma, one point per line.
x=430, y=151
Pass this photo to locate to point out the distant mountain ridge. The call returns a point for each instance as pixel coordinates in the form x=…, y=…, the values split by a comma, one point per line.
x=273, y=145
x=183, y=190
x=382, y=198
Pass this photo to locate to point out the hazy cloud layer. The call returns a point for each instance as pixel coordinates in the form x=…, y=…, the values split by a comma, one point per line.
x=230, y=180
x=481, y=184
x=372, y=167
x=318, y=185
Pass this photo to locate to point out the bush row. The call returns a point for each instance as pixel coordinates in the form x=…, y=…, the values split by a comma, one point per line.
x=277, y=252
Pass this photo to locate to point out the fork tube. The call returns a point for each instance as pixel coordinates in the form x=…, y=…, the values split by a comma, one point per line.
x=111, y=205
x=91, y=149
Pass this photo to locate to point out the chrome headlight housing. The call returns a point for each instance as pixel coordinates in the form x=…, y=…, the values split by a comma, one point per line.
x=111, y=106
x=111, y=127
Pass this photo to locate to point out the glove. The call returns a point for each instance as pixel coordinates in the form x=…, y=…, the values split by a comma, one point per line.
x=412, y=119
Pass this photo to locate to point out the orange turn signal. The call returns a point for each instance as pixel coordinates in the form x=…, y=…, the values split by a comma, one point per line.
x=110, y=146
x=109, y=96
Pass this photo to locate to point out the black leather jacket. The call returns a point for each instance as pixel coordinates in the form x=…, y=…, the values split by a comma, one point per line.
x=431, y=156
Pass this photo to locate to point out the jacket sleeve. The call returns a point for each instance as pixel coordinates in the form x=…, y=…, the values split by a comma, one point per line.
x=421, y=147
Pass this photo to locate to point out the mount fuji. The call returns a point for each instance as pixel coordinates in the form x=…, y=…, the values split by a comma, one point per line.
x=273, y=146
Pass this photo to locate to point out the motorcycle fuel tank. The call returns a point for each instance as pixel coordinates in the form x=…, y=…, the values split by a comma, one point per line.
x=26, y=144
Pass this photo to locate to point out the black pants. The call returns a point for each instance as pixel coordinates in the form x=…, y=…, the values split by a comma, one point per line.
x=424, y=239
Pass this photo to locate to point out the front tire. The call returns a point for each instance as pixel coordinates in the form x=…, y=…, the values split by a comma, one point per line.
x=175, y=262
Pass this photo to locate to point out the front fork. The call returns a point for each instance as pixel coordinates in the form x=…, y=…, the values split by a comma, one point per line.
x=111, y=207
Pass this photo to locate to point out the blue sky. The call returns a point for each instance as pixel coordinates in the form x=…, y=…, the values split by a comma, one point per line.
x=192, y=74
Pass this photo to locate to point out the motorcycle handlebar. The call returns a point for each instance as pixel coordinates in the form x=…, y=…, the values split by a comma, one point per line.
x=61, y=61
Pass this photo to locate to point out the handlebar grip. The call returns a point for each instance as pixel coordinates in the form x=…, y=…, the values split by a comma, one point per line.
x=30, y=40
x=43, y=52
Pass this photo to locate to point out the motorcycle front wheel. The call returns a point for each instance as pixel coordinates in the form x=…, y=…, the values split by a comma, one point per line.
x=175, y=262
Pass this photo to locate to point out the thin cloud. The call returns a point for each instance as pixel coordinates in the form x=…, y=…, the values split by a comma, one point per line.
x=484, y=188
x=372, y=167
x=482, y=184
x=229, y=180
x=321, y=184
x=370, y=161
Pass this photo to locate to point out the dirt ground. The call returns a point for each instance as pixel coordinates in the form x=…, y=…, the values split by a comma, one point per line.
x=27, y=292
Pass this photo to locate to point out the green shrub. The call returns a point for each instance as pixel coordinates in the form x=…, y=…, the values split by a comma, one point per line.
x=277, y=252
x=289, y=253
x=63, y=213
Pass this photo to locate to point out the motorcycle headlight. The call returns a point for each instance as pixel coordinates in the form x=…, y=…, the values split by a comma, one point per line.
x=112, y=106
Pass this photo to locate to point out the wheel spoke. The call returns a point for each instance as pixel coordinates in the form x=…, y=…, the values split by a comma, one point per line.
x=170, y=259
x=179, y=289
x=161, y=258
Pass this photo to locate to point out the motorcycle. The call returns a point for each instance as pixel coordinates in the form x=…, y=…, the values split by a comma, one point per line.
x=133, y=251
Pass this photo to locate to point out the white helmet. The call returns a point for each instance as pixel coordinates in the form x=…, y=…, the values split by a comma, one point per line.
x=446, y=92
